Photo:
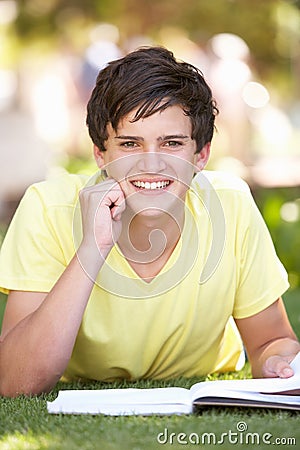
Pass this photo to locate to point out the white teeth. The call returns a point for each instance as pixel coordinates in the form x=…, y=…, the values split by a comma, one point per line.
x=153, y=185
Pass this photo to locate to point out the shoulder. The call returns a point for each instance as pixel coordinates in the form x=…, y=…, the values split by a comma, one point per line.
x=58, y=190
x=224, y=193
x=220, y=182
x=221, y=187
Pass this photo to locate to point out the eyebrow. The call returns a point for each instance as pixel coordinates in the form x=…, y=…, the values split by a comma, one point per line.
x=160, y=138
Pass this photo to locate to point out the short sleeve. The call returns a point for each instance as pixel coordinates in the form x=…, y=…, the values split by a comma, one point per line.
x=31, y=257
x=262, y=279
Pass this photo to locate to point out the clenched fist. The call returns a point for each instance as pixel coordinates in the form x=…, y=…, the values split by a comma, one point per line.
x=102, y=206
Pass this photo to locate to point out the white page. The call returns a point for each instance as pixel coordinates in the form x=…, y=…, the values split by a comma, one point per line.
x=246, y=395
x=111, y=409
x=166, y=400
x=263, y=385
x=122, y=401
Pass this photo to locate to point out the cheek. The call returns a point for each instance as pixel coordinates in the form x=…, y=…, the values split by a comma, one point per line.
x=185, y=171
x=122, y=167
x=117, y=168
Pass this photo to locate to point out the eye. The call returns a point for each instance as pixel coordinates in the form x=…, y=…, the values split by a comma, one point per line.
x=173, y=144
x=128, y=145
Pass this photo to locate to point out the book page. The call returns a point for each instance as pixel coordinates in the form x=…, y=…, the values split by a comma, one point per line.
x=257, y=385
x=247, y=395
x=122, y=401
x=172, y=400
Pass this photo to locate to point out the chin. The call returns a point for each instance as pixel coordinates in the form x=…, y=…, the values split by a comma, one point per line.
x=155, y=207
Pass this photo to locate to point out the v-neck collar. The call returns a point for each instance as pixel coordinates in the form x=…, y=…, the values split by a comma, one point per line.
x=118, y=277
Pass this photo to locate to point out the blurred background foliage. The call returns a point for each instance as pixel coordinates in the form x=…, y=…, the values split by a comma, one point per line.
x=269, y=27
x=249, y=51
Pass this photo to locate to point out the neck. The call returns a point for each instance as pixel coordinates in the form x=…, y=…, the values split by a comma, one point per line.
x=146, y=238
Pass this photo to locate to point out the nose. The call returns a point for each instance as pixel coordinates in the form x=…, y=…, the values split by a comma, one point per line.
x=151, y=162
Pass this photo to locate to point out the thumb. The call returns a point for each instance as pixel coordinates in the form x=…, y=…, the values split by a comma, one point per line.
x=277, y=366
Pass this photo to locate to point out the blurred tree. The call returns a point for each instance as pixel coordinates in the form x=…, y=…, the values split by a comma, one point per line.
x=253, y=20
x=295, y=2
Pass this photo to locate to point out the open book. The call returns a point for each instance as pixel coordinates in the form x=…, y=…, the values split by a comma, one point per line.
x=262, y=392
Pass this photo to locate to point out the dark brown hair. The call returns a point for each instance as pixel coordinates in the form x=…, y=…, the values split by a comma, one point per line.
x=150, y=79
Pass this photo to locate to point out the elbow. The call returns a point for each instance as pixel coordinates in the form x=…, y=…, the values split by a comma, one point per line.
x=13, y=387
x=13, y=390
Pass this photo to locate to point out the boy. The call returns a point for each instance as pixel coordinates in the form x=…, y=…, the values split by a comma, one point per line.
x=157, y=269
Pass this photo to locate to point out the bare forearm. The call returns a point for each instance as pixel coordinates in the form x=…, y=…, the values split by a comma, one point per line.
x=270, y=341
x=35, y=353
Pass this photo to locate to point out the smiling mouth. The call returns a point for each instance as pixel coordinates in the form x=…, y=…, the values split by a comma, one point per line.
x=151, y=185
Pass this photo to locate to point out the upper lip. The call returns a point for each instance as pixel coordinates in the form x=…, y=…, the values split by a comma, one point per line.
x=150, y=180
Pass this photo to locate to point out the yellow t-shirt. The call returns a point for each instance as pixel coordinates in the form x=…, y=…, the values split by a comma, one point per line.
x=181, y=323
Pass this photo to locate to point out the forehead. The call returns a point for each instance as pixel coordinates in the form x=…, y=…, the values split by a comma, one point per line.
x=173, y=117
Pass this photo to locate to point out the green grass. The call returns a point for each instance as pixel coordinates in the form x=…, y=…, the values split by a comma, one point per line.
x=292, y=304
x=25, y=424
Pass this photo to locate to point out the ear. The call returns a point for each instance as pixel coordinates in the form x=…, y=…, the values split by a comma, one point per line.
x=99, y=158
x=202, y=157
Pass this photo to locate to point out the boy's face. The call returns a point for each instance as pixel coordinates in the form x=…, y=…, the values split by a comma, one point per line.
x=153, y=159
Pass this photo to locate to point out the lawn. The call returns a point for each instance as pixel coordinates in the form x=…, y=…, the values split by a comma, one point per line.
x=25, y=423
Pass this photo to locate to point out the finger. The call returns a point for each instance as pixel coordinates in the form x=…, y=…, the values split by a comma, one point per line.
x=118, y=207
x=107, y=193
x=278, y=366
x=103, y=186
